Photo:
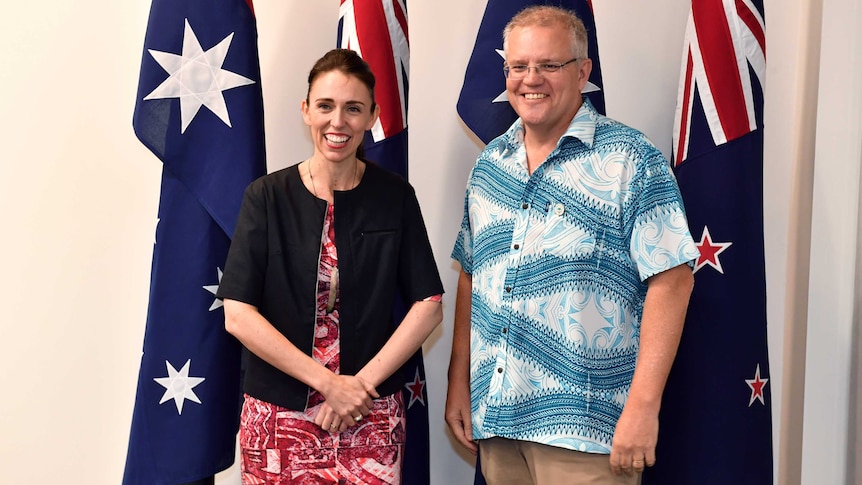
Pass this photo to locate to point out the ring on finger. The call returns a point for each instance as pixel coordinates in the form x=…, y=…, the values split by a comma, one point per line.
x=357, y=418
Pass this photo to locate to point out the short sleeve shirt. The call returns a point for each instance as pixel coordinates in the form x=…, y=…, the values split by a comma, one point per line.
x=559, y=261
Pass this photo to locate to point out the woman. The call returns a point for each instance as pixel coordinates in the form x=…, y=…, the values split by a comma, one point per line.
x=321, y=250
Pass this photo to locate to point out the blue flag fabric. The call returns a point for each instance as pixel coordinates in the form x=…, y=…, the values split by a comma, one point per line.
x=199, y=110
x=377, y=30
x=715, y=422
x=482, y=104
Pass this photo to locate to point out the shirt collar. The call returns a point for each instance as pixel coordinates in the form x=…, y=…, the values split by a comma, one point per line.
x=583, y=125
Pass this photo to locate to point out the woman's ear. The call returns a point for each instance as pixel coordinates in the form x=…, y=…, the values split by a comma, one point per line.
x=375, y=114
x=303, y=108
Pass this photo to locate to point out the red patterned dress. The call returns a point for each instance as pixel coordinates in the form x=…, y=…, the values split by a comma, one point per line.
x=281, y=446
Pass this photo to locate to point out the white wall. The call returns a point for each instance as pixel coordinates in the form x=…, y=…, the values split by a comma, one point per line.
x=832, y=293
x=79, y=195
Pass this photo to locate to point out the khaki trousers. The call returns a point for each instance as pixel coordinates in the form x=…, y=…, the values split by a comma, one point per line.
x=514, y=462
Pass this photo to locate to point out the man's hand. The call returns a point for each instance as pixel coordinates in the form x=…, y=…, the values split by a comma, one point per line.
x=458, y=396
x=458, y=415
x=634, y=441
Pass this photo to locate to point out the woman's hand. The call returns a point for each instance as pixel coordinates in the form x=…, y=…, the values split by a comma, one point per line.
x=347, y=398
x=330, y=421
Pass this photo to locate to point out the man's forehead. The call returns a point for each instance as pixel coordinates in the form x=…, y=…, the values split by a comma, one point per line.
x=538, y=43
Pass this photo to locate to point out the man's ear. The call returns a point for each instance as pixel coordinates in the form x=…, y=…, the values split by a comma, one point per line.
x=585, y=67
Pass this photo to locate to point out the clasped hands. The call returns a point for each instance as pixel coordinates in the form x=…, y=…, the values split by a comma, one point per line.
x=348, y=401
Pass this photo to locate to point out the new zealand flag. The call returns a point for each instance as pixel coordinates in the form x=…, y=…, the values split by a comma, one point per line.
x=483, y=104
x=377, y=31
x=199, y=110
x=715, y=423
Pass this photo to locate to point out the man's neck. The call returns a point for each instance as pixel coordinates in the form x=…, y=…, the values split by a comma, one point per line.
x=540, y=141
x=537, y=151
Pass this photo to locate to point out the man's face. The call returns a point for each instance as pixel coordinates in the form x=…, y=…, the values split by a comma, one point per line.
x=546, y=102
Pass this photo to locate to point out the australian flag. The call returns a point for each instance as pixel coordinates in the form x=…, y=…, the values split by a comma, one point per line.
x=716, y=423
x=483, y=104
x=199, y=110
x=377, y=31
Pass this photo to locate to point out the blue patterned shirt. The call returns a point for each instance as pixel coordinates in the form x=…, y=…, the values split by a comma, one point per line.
x=558, y=261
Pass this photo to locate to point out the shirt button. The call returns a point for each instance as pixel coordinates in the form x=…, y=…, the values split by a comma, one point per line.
x=559, y=209
x=499, y=370
x=516, y=246
x=525, y=205
x=505, y=330
x=508, y=289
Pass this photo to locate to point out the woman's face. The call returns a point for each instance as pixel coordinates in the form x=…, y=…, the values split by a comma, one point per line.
x=339, y=111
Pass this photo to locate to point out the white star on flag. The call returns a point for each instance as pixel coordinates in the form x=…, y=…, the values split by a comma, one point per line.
x=196, y=77
x=214, y=289
x=502, y=97
x=178, y=385
x=589, y=88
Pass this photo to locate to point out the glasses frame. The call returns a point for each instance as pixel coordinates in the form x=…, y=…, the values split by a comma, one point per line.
x=541, y=69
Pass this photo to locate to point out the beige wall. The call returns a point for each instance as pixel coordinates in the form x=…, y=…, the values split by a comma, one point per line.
x=79, y=197
x=826, y=448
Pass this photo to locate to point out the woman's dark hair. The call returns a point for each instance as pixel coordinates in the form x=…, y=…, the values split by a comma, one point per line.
x=349, y=63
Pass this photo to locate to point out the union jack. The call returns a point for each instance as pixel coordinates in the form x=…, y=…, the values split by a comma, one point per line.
x=722, y=40
x=363, y=27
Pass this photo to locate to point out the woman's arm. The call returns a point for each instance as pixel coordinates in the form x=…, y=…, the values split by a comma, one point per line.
x=347, y=396
x=420, y=321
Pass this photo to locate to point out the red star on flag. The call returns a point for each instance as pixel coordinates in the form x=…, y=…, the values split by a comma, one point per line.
x=757, y=384
x=417, y=390
x=709, y=251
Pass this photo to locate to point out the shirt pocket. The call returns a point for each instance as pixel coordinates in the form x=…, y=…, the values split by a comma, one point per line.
x=563, y=237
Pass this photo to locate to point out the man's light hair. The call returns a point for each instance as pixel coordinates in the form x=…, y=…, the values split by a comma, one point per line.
x=549, y=16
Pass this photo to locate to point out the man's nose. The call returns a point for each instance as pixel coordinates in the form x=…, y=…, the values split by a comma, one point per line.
x=533, y=75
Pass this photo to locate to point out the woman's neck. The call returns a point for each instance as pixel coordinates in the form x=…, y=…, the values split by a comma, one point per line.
x=325, y=177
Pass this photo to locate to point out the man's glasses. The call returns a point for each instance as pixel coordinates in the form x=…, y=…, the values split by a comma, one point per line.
x=520, y=72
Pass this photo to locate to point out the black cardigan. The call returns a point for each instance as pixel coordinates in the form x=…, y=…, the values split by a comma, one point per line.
x=383, y=250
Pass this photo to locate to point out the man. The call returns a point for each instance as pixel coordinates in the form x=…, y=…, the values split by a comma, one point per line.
x=574, y=283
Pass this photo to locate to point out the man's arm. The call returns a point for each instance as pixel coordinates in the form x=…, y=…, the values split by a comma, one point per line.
x=458, y=395
x=636, y=433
